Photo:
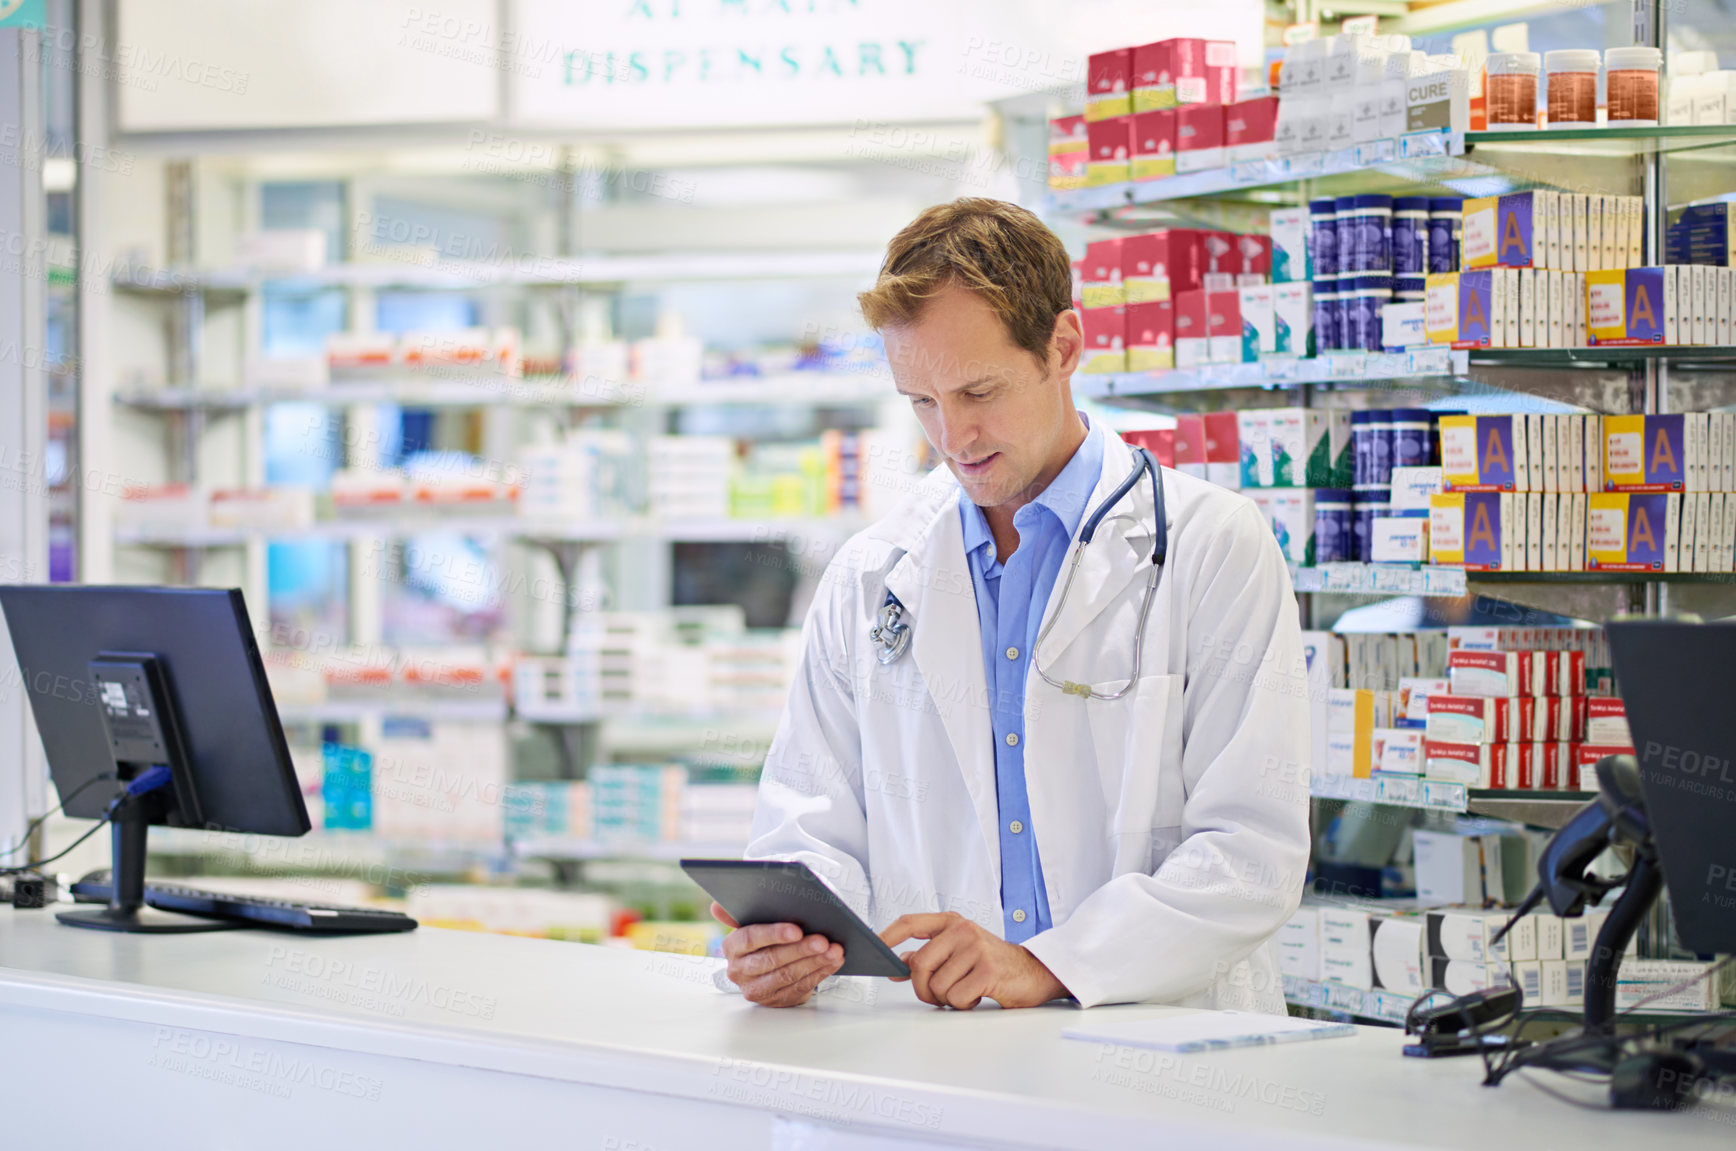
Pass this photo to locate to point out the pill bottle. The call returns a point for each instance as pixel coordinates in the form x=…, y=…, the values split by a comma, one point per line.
x=1373, y=233
x=1349, y=237
x=1380, y=423
x=1323, y=236
x=1572, y=76
x=1410, y=437
x=1328, y=325
x=1373, y=294
x=1361, y=448
x=1368, y=505
x=1512, y=90
x=1334, y=539
x=1446, y=214
x=1632, y=86
x=1410, y=235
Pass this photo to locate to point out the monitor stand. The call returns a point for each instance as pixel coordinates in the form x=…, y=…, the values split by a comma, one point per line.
x=126, y=910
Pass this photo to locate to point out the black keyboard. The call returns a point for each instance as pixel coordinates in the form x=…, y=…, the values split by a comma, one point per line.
x=284, y=913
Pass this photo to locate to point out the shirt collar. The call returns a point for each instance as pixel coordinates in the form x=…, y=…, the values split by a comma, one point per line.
x=1065, y=497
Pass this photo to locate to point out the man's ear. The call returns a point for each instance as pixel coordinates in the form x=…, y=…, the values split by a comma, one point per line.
x=1067, y=343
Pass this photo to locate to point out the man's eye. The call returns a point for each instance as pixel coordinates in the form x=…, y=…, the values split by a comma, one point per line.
x=918, y=401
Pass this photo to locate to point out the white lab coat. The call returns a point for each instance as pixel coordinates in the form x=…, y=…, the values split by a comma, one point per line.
x=1172, y=824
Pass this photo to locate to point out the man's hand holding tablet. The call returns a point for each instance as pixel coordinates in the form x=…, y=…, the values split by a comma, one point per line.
x=789, y=930
x=774, y=964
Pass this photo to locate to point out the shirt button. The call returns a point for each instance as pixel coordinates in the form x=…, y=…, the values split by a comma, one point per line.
x=1018, y=917
x=1015, y=827
x=1012, y=653
x=1012, y=739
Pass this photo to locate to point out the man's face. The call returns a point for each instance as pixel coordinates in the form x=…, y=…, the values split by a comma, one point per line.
x=1001, y=418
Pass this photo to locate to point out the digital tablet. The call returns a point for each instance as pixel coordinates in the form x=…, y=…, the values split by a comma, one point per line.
x=773, y=891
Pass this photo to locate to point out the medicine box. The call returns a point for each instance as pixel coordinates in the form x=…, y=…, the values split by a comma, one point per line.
x=1400, y=539
x=1441, y=307
x=1466, y=528
x=1478, y=235
x=1154, y=136
x=1403, y=326
x=1111, y=144
x=1156, y=265
x=1629, y=307
x=1199, y=137
x=1292, y=515
x=1290, y=259
x=1293, y=319
x=1412, y=487
x=1483, y=453
x=1192, y=340
x=1150, y=336
x=1259, y=334
x=1069, y=152
x=1109, y=84
x=1105, y=339
x=1516, y=218
x=1190, y=446
x=1101, y=275
x=1153, y=76
x=1223, y=449
x=1645, y=453
x=1477, y=315
x=1224, y=327
x=1626, y=531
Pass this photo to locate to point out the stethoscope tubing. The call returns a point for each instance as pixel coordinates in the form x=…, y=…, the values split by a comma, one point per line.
x=893, y=636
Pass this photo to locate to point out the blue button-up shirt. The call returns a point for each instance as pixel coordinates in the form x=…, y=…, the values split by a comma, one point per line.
x=1011, y=597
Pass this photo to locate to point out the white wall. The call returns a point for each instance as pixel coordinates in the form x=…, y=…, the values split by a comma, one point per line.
x=185, y=64
x=619, y=66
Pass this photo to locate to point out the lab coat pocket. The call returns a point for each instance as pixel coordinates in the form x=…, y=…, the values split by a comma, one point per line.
x=1137, y=743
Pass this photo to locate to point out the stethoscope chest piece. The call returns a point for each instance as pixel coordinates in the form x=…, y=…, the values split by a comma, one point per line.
x=892, y=635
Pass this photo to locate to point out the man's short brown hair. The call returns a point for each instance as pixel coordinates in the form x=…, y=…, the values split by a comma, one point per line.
x=998, y=250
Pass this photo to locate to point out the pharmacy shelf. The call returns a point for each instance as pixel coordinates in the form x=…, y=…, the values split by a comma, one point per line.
x=1605, y=355
x=1420, y=160
x=420, y=518
x=1606, y=140
x=429, y=390
x=414, y=390
x=555, y=848
x=1547, y=809
x=754, y=531
x=1419, y=366
x=1380, y=579
x=1437, y=367
x=352, y=853
x=871, y=384
x=1385, y=1006
x=1393, y=791
x=1413, y=158
x=431, y=710
x=528, y=271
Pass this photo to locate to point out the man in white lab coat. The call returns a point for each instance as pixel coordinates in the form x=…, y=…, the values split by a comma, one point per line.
x=1142, y=843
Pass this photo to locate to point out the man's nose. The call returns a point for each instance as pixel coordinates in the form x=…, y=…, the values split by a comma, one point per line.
x=958, y=433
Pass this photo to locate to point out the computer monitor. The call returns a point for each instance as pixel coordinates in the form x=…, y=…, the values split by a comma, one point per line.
x=123, y=680
x=1678, y=682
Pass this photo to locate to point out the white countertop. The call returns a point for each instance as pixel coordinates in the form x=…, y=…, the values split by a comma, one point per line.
x=866, y=1054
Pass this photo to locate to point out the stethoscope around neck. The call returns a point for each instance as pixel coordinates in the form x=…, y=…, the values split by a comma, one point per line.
x=892, y=635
